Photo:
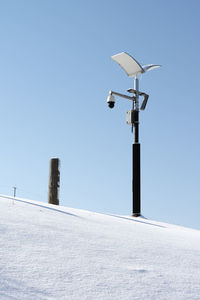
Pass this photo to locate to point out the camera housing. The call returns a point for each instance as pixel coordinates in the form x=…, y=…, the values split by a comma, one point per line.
x=111, y=101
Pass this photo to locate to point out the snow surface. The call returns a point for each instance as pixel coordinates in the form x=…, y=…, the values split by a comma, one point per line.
x=54, y=252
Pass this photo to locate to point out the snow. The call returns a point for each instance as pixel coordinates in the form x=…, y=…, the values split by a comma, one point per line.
x=54, y=252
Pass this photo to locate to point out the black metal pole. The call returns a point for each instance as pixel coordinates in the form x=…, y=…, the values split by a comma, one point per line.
x=136, y=169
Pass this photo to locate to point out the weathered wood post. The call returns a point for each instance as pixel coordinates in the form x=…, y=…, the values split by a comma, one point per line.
x=54, y=181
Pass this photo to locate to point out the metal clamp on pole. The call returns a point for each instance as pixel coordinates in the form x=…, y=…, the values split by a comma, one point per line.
x=145, y=99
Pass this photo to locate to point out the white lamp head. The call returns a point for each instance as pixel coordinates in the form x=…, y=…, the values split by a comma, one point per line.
x=130, y=65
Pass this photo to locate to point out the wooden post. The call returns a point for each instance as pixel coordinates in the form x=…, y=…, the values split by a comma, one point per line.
x=54, y=181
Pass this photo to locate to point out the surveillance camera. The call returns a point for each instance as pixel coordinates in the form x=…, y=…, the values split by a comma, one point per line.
x=111, y=101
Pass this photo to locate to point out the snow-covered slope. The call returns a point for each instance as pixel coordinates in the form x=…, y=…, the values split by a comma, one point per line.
x=49, y=252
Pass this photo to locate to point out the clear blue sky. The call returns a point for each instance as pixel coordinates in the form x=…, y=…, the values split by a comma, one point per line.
x=55, y=74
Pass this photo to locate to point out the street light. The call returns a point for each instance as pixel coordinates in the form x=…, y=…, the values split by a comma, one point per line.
x=133, y=69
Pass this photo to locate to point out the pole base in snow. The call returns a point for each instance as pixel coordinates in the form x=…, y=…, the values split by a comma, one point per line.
x=136, y=215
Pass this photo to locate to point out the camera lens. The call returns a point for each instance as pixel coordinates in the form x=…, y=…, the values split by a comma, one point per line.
x=111, y=104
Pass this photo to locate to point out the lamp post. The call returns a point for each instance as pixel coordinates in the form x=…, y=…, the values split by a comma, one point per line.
x=133, y=69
